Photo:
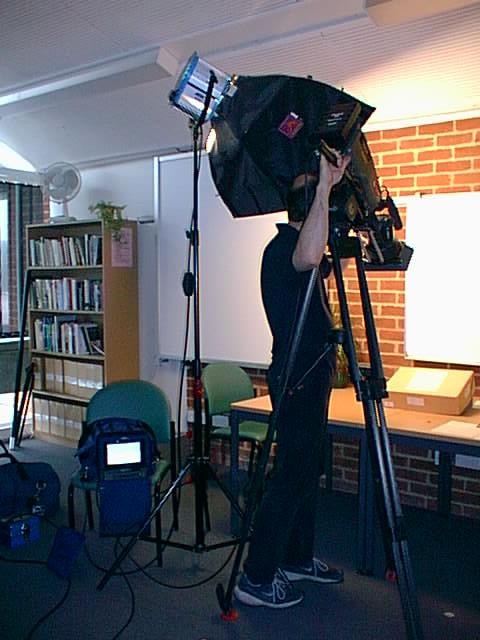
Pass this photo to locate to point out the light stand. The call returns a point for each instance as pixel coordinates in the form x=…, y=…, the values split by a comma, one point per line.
x=198, y=464
x=199, y=460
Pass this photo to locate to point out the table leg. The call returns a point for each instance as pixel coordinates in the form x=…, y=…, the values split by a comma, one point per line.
x=444, y=495
x=234, y=479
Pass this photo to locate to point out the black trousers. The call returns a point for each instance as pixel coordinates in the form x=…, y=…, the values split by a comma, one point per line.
x=284, y=526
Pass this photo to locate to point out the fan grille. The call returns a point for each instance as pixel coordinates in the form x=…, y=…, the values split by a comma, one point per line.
x=62, y=181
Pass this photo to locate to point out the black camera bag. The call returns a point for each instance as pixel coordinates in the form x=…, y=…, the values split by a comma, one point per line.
x=89, y=450
x=27, y=487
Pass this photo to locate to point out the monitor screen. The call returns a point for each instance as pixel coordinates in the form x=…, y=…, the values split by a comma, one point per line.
x=119, y=453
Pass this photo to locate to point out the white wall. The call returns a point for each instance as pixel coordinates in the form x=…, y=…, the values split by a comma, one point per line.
x=233, y=325
x=131, y=184
x=126, y=183
x=441, y=305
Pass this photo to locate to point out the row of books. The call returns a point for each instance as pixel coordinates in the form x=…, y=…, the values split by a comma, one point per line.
x=64, y=334
x=78, y=379
x=58, y=419
x=66, y=251
x=66, y=294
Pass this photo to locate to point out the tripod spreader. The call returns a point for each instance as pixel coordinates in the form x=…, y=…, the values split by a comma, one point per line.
x=372, y=388
x=336, y=336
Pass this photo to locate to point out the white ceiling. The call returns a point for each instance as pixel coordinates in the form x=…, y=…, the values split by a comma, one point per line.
x=88, y=81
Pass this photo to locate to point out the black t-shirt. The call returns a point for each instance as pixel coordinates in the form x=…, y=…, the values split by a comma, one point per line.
x=283, y=294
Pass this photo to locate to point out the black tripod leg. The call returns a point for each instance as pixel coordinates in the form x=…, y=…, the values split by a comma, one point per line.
x=134, y=539
x=174, y=456
x=375, y=459
x=225, y=596
x=16, y=424
x=400, y=551
x=365, y=524
x=370, y=388
x=390, y=512
x=26, y=396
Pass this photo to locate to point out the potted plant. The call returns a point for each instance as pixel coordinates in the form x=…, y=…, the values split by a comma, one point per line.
x=111, y=216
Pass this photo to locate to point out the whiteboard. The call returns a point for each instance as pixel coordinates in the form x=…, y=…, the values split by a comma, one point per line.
x=233, y=325
x=442, y=301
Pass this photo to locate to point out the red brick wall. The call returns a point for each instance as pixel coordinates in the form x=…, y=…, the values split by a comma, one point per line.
x=427, y=159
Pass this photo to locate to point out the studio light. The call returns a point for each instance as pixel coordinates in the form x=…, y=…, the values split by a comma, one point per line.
x=267, y=130
x=197, y=80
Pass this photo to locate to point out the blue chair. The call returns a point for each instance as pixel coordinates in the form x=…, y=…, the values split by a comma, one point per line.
x=139, y=400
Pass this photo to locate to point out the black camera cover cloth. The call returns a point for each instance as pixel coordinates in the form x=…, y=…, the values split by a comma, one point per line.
x=267, y=133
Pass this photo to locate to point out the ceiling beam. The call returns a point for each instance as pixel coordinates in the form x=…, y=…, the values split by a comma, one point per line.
x=103, y=76
x=15, y=176
x=286, y=21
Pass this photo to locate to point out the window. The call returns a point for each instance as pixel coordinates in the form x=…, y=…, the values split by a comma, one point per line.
x=19, y=205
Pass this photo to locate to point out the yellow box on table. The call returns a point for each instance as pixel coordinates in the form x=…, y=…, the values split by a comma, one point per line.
x=448, y=391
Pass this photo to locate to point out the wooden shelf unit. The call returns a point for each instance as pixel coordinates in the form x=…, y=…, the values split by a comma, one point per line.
x=66, y=303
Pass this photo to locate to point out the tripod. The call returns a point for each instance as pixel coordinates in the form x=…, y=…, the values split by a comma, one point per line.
x=20, y=406
x=370, y=387
x=198, y=464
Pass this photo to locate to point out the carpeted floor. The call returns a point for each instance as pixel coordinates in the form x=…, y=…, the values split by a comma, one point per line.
x=178, y=601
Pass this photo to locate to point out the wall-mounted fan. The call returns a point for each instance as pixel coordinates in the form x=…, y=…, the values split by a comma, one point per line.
x=62, y=182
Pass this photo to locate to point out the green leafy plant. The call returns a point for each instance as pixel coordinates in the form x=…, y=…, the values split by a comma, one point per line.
x=111, y=216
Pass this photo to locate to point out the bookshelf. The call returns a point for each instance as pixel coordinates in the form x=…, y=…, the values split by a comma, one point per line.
x=82, y=319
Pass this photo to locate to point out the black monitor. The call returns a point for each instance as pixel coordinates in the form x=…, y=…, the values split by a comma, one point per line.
x=122, y=456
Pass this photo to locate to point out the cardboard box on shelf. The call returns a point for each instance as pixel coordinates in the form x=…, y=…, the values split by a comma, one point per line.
x=447, y=391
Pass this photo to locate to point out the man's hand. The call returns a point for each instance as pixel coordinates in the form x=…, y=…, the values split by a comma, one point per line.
x=313, y=236
x=330, y=174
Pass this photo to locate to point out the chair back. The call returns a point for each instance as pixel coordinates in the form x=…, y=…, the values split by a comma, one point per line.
x=137, y=399
x=225, y=383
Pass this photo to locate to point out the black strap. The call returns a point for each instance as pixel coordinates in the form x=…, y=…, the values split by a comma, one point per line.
x=20, y=467
x=7, y=453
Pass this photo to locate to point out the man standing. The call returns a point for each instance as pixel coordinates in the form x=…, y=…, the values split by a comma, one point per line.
x=281, y=547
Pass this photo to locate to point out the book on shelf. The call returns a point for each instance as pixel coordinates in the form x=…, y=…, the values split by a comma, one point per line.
x=66, y=251
x=93, y=338
x=62, y=338
x=65, y=334
x=66, y=294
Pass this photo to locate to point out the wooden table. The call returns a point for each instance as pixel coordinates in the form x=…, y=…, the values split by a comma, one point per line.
x=450, y=435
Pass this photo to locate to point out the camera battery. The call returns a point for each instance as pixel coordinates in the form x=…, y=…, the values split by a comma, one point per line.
x=17, y=531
